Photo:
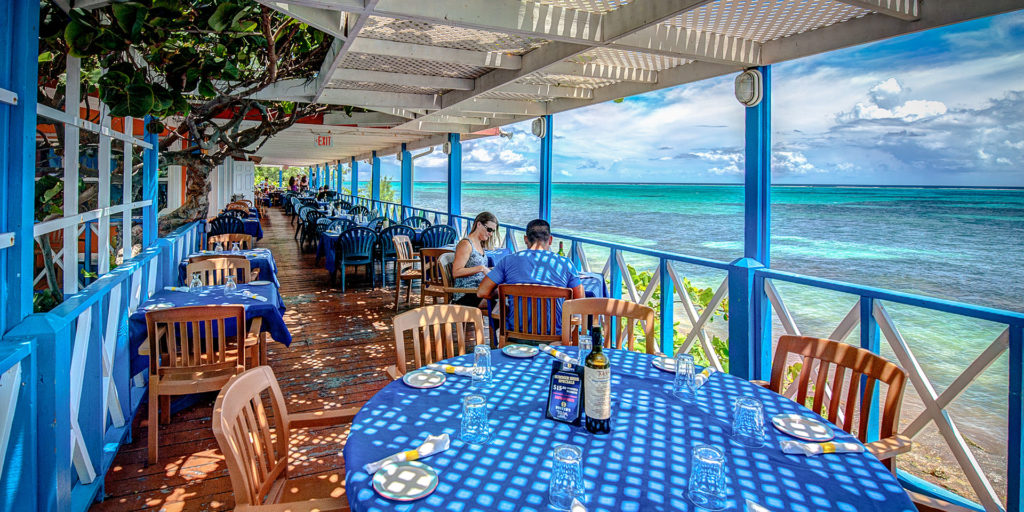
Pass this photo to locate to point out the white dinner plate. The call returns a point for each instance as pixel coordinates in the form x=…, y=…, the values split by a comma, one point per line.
x=522, y=351
x=802, y=427
x=424, y=379
x=665, y=364
x=259, y=283
x=405, y=481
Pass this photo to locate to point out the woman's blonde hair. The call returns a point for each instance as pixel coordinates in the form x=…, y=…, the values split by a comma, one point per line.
x=481, y=220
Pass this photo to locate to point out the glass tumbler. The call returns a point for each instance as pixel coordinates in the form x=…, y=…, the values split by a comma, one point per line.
x=684, y=386
x=566, y=476
x=748, y=421
x=706, y=488
x=229, y=285
x=482, y=371
x=475, y=426
x=235, y=248
x=196, y=283
x=218, y=247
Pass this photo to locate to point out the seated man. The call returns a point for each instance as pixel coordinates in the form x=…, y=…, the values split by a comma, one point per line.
x=535, y=265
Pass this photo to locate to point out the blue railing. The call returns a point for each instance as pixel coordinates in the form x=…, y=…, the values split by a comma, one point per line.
x=750, y=337
x=86, y=397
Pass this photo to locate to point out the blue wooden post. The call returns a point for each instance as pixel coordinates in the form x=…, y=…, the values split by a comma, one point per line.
x=406, y=179
x=749, y=321
x=374, y=177
x=870, y=339
x=668, y=328
x=339, y=173
x=1014, y=452
x=545, y=169
x=19, y=487
x=454, y=179
x=355, y=177
x=150, y=184
x=280, y=178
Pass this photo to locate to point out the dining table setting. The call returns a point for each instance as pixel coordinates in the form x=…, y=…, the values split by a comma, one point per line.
x=475, y=433
x=262, y=259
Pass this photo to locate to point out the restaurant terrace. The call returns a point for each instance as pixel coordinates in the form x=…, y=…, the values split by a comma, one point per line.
x=120, y=398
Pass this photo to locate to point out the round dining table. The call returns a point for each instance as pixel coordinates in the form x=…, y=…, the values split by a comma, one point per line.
x=642, y=465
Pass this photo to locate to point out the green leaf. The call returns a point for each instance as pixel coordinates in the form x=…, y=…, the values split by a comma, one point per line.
x=79, y=37
x=45, y=57
x=206, y=89
x=619, y=100
x=223, y=17
x=140, y=100
x=155, y=126
x=230, y=70
x=129, y=16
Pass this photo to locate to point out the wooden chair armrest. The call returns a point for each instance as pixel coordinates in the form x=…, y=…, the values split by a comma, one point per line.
x=763, y=383
x=393, y=372
x=403, y=260
x=254, y=331
x=889, y=447
x=254, y=275
x=322, y=418
x=144, y=348
x=320, y=505
x=461, y=290
x=926, y=503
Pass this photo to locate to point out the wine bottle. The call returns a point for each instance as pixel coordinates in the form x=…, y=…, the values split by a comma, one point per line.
x=597, y=378
x=561, y=250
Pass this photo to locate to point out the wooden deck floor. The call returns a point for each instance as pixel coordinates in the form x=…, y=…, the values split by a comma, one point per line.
x=341, y=345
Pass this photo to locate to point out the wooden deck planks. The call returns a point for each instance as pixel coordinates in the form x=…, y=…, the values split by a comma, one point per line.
x=341, y=345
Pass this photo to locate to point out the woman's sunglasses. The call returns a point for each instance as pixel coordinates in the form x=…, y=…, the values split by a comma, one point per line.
x=489, y=230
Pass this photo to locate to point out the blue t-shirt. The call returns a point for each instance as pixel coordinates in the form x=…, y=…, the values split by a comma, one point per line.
x=536, y=267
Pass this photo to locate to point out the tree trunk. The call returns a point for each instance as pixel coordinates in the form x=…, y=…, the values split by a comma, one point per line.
x=197, y=204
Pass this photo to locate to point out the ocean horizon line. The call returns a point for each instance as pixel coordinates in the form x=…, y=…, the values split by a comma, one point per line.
x=793, y=185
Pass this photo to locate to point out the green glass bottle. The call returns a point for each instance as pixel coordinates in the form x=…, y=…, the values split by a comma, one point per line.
x=561, y=249
x=597, y=380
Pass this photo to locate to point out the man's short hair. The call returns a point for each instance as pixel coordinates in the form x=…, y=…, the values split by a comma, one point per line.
x=538, y=230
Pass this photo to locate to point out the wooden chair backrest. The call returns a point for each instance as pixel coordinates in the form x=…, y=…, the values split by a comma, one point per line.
x=244, y=241
x=848, y=364
x=431, y=268
x=214, y=272
x=193, y=339
x=445, y=262
x=438, y=332
x=610, y=314
x=403, y=246
x=535, y=308
x=238, y=206
x=253, y=440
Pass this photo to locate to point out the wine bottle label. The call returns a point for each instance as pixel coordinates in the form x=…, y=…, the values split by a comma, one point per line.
x=597, y=393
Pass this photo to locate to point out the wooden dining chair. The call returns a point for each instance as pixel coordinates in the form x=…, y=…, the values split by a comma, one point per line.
x=190, y=352
x=214, y=272
x=253, y=429
x=244, y=241
x=432, y=284
x=438, y=332
x=623, y=315
x=406, y=266
x=445, y=263
x=254, y=273
x=529, y=312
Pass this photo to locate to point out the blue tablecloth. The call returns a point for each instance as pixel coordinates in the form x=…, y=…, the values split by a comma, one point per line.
x=643, y=465
x=253, y=227
x=262, y=259
x=271, y=311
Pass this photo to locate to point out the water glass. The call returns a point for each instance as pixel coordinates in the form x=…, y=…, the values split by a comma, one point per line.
x=706, y=488
x=196, y=283
x=218, y=247
x=748, y=421
x=229, y=285
x=684, y=386
x=235, y=248
x=482, y=371
x=586, y=344
x=566, y=476
x=476, y=428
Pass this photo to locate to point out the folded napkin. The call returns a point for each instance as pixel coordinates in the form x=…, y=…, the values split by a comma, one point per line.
x=250, y=295
x=467, y=371
x=561, y=356
x=176, y=288
x=432, y=445
x=703, y=377
x=577, y=506
x=808, y=449
x=754, y=507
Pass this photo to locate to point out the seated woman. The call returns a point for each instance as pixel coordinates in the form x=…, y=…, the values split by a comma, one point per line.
x=470, y=264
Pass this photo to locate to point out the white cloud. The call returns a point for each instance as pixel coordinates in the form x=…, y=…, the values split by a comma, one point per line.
x=792, y=162
x=726, y=162
x=563, y=172
x=480, y=155
x=510, y=157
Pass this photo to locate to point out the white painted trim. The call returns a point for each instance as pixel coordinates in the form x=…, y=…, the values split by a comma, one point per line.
x=10, y=98
x=403, y=79
x=436, y=53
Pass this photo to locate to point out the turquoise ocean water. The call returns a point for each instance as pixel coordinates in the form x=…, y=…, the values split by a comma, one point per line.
x=959, y=244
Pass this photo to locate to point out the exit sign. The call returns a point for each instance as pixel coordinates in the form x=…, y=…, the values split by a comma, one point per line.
x=322, y=140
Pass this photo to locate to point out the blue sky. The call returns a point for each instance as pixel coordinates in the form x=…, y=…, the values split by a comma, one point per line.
x=942, y=107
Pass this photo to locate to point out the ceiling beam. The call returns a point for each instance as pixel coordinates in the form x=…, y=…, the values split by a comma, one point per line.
x=693, y=45
x=603, y=72
x=906, y=10
x=548, y=91
x=436, y=53
x=427, y=126
x=363, y=98
x=489, y=106
x=403, y=79
x=329, y=21
x=293, y=89
x=477, y=120
x=364, y=119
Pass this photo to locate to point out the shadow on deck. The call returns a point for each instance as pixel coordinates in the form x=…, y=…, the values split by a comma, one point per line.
x=341, y=345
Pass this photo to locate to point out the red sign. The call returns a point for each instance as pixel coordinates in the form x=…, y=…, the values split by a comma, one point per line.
x=322, y=140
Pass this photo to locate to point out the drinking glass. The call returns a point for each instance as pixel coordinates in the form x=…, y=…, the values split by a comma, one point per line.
x=196, y=284
x=566, y=476
x=706, y=488
x=685, y=385
x=475, y=426
x=586, y=344
x=482, y=363
x=748, y=421
x=235, y=248
x=229, y=285
x=218, y=247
